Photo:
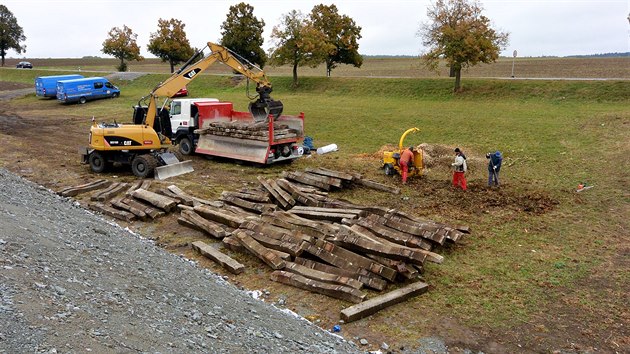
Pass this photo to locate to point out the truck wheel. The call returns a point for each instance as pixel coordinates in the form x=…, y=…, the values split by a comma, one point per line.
x=82, y=100
x=143, y=165
x=97, y=161
x=185, y=146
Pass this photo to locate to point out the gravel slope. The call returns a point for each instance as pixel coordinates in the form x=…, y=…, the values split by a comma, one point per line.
x=71, y=282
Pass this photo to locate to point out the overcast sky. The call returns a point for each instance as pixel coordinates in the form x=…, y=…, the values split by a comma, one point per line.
x=77, y=28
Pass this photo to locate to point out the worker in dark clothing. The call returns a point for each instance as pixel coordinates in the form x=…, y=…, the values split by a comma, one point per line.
x=494, y=166
x=406, y=161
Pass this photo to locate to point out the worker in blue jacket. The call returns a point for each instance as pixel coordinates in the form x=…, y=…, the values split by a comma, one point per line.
x=494, y=166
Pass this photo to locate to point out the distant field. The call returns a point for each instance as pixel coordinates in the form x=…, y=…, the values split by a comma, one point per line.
x=607, y=68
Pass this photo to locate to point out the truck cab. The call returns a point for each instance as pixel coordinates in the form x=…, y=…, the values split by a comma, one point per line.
x=183, y=114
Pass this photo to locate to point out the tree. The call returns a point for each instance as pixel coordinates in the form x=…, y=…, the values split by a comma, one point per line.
x=242, y=33
x=298, y=43
x=11, y=34
x=121, y=44
x=169, y=43
x=342, y=32
x=461, y=35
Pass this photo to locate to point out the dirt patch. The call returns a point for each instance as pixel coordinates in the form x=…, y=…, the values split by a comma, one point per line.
x=7, y=86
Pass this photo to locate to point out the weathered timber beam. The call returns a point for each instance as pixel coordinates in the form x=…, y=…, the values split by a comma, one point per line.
x=263, y=253
x=322, y=276
x=276, y=232
x=302, y=178
x=107, y=210
x=292, y=249
x=118, y=203
x=333, y=290
x=329, y=216
x=165, y=203
x=209, y=227
x=260, y=198
x=273, y=192
x=380, y=302
x=258, y=208
x=149, y=210
x=296, y=193
x=356, y=259
x=224, y=260
x=222, y=217
x=366, y=278
x=330, y=173
x=88, y=187
x=286, y=196
x=377, y=186
x=402, y=238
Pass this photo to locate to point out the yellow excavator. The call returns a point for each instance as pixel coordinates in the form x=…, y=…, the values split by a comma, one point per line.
x=143, y=146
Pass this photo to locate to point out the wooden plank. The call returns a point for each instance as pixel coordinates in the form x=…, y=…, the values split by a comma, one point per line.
x=296, y=193
x=377, y=186
x=165, y=203
x=357, y=212
x=118, y=203
x=107, y=210
x=355, y=240
x=207, y=226
x=273, y=192
x=356, y=259
x=231, y=243
x=439, y=229
x=333, y=290
x=149, y=210
x=260, y=251
x=405, y=271
x=88, y=187
x=276, y=232
x=302, y=178
x=96, y=195
x=221, y=217
x=330, y=173
x=290, y=248
x=255, y=207
x=286, y=196
x=322, y=276
x=224, y=260
x=260, y=198
x=368, y=280
x=400, y=251
x=402, y=238
x=180, y=198
x=329, y=216
x=378, y=303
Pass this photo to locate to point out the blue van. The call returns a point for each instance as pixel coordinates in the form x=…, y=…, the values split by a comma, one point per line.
x=46, y=86
x=83, y=90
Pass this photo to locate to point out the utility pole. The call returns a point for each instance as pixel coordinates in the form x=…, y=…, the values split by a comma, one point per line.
x=513, y=58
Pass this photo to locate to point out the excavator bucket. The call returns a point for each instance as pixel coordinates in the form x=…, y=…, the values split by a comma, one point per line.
x=172, y=167
x=261, y=110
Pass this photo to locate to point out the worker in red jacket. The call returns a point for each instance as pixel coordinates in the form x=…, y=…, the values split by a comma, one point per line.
x=406, y=161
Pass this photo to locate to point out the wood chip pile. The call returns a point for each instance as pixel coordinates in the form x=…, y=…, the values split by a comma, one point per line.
x=309, y=239
x=248, y=130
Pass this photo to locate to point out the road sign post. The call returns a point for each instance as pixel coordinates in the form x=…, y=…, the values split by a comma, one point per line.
x=513, y=58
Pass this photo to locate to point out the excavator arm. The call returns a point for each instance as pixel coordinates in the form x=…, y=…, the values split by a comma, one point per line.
x=261, y=107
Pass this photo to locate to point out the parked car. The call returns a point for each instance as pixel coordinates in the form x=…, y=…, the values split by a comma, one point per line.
x=183, y=92
x=24, y=65
x=83, y=90
x=46, y=86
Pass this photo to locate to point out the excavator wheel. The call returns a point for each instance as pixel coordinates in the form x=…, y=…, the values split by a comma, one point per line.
x=143, y=165
x=389, y=170
x=98, y=163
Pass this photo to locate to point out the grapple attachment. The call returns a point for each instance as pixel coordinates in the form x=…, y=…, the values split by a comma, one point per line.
x=260, y=109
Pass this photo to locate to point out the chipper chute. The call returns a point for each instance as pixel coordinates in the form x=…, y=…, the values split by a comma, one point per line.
x=172, y=167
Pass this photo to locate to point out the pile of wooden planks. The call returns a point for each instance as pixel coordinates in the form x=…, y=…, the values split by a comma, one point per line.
x=248, y=130
x=329, y=246
x=309, y=239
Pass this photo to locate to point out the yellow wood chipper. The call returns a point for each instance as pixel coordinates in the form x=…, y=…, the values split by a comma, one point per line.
x=391, y=159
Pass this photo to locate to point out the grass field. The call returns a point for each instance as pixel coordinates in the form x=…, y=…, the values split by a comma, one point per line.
x=545, y=268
